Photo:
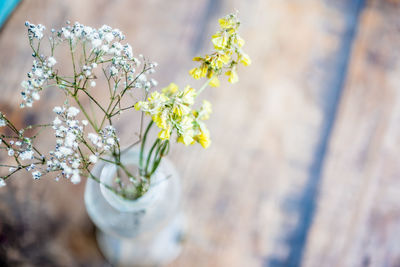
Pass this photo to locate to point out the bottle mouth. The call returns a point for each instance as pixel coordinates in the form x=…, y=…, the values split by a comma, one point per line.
x=156, y=189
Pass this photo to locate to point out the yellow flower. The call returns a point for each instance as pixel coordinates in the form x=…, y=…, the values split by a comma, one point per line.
x=185, y=132
x=188, y=95
x=219, y=40
x=226, y=23
x=214, y=82
x=245, y=59
x=195, y=73
x=157, y=99
x=239, y=41
x=141, y=105
x=160, y=119
x=220, y=60
x=203, y=138
x=164, y=134
x=233, y=77
x=205, y=110
x=171, y=89
x=180, y=108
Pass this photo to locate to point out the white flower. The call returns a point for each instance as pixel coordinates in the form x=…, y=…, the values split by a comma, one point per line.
x=113, y=71
x=75, y=178
x=26, y=155
x=109, y=37
x=51, y=61
x=10, y=152
x=69, y=139
x=35, y=31
x=85, y=122
x=36, y=175
x=2, y=123
x=96, y=43
x=58, y=110
x=110, y=141
x=65, y=151
x=94, y=138
x=66, y=33
x=38, y=72
x=2, y=182
x=93, y=158
x=72, y=111
x=35, y=95
x=92, y=83
x=104, y=48
x=75, y=164
x=57, y=121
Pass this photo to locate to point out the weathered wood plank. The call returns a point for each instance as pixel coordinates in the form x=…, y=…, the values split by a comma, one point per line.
x=358, y=215
x=248, y=206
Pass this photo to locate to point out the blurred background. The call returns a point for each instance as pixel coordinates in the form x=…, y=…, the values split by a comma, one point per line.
x=304, y=165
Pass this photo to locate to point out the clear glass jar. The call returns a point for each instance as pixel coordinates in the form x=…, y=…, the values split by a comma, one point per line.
x=143, y=232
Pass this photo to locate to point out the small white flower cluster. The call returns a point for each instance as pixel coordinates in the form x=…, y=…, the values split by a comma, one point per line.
x=69, y=133
x=22, y=149
x=40, y=74
x=105, y=44
x=95, y=36
x=106, y=141
x=2, y=121
x=35, y=31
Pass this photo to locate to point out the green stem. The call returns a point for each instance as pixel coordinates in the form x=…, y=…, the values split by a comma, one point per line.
x=204, y=86
x=142, y=148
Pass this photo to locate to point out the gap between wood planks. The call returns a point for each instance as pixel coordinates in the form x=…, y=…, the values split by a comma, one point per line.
x=296, y=239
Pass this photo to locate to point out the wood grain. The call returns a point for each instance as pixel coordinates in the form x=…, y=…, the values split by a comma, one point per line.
x=357, y=221
x=289, y=180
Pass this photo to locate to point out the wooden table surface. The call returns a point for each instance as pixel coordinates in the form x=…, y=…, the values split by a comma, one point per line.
x=304, y=165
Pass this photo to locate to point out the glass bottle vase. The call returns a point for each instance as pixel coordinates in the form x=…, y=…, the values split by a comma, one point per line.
x=147, y=231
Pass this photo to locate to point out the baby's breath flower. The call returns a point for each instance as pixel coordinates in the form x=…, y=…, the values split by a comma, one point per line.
x=35, y=31
x=26, y=155
x=75, y=178
x=72, y=112
x=2, y=182
x=10, y=152
x=93, y=159
x=113, y=71
x=51, y=61
x=36, y=175
x=2, y=122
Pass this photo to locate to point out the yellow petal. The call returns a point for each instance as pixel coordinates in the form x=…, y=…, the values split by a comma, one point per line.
x=164, y=134
x=214, y=82
x=245, y=59
x=195, y=73
x=240, y=42
x=171, y=89
x=219, y=41
x=233, y=77
x=203, y=139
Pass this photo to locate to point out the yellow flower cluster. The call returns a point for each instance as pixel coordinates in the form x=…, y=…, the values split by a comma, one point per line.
x=172, y=110
x=227, y=44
